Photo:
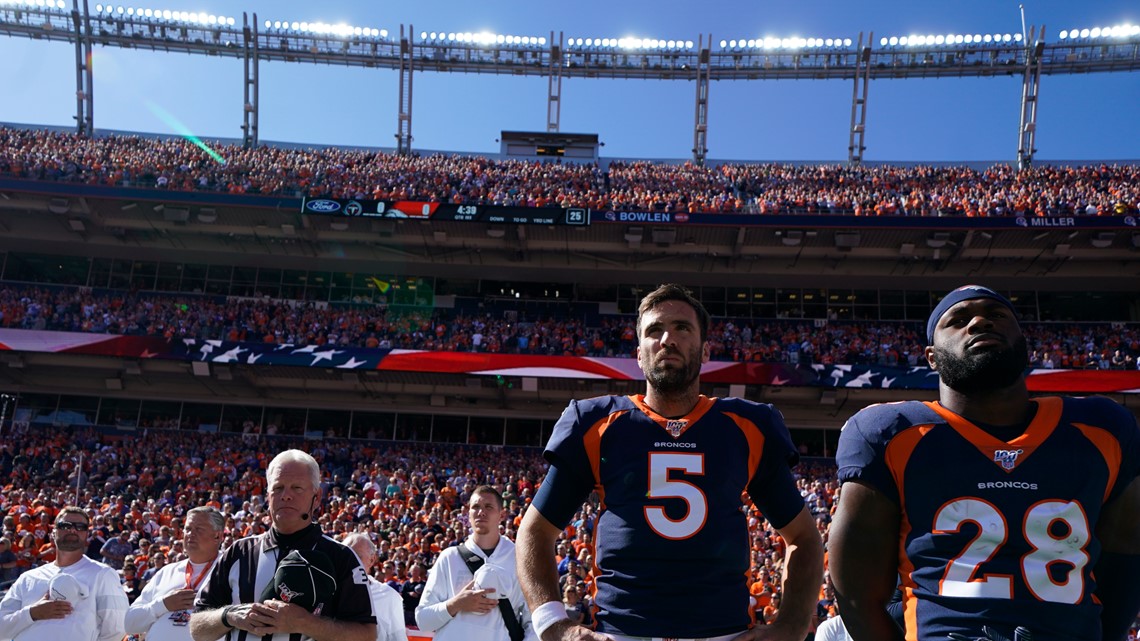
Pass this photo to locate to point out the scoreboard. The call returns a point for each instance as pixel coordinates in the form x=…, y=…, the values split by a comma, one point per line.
x=421, y=210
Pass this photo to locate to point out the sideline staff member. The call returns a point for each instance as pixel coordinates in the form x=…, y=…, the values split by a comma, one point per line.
x=73, y=598
x=459, y=605
x=162, y=611
x=229, y=604
x=670, y=468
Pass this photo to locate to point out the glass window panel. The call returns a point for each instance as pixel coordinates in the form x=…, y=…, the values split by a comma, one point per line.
x=525, y=432
x=891, y=297
x=815, y=303
x=333, y=423
x=486, y=429
x=413, y=427
x=77, y=410
x=169, y=277
x=143, y=274
x=449, y=429
x=244, y=419
x=41, y=407
x=36, y=268
x=220, y=272
x=294, y=277
x=100, y=272
x=374, y=425
x=201, y=417
x=160, y=414
x=245, y=275
x=120, y=412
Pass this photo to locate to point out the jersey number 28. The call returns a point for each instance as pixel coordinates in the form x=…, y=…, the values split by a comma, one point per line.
x=1057, y=531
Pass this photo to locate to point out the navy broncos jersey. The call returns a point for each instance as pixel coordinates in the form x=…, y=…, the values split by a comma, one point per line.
x=993, y=532
x=671, y=540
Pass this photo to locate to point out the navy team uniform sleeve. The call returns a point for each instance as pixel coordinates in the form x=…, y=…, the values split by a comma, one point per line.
x=860, y=455
x=772, y=488
x=569, y=480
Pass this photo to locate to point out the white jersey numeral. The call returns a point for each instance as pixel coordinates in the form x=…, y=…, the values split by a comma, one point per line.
x=1058, y=531
x=662, y=487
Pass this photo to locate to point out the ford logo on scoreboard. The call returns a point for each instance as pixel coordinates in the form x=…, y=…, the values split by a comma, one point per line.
x=323, y=206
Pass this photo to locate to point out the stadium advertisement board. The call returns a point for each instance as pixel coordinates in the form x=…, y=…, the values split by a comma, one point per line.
x=421, y=210
x=847, y=221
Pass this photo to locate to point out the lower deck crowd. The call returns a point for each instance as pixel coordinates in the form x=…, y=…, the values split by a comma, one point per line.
x=408, y=497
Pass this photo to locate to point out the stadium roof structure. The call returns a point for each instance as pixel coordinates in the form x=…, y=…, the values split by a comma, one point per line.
x=859, y=58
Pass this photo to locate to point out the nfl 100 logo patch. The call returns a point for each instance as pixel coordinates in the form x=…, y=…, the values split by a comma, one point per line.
x=1007, y=458
x=675, y=427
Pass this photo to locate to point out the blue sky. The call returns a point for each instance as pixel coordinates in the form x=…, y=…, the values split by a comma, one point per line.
x=1080, y=117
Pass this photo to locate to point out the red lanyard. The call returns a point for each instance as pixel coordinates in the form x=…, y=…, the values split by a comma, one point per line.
x=193, y=584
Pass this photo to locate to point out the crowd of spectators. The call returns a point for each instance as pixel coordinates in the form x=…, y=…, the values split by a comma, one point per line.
x=179, y=164
x=408, y=497
x=174, y=317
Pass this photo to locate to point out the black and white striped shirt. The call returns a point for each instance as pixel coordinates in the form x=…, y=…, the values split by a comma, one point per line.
x=245, y=568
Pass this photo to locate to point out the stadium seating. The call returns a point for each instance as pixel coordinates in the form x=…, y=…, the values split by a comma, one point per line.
x=175, y=164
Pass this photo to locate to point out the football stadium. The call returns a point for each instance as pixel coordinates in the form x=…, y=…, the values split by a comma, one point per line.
x=175, y=311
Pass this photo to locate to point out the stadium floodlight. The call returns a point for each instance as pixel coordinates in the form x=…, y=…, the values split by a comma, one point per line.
x=987, y=38
x=893, y=41
x=1063, y=35
x=939, y=40
x=1016, y=37
x=1095, y=32
x=1085, y=33
x=968, y=39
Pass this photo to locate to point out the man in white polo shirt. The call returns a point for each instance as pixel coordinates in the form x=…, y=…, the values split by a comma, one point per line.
x=73, y=598
x=387, y=604
x=163, y=609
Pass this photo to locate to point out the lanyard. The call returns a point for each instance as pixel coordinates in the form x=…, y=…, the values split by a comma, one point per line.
x=192, y=582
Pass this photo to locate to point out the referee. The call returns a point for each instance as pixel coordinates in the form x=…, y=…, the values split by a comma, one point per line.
x=228, y=606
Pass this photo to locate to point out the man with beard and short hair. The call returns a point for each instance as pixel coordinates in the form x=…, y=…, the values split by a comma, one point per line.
x=671, y=467
x=994, y=510
x=73, y=598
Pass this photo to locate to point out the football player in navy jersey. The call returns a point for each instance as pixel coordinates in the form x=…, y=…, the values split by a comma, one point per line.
x=670, y=469
x=992, y=510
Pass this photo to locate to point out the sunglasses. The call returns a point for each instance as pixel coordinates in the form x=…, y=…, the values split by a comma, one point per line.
x=67, y=526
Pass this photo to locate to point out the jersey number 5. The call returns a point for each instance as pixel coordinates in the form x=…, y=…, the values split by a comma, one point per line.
x=662, y=487
x=1058, y=532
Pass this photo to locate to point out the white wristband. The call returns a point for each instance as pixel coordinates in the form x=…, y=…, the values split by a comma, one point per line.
x=547, y=615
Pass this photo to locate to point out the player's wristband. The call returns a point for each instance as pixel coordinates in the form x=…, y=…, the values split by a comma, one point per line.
x=547, y=615
x=226, y=617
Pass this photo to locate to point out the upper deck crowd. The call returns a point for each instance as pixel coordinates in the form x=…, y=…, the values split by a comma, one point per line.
x=180, y=165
